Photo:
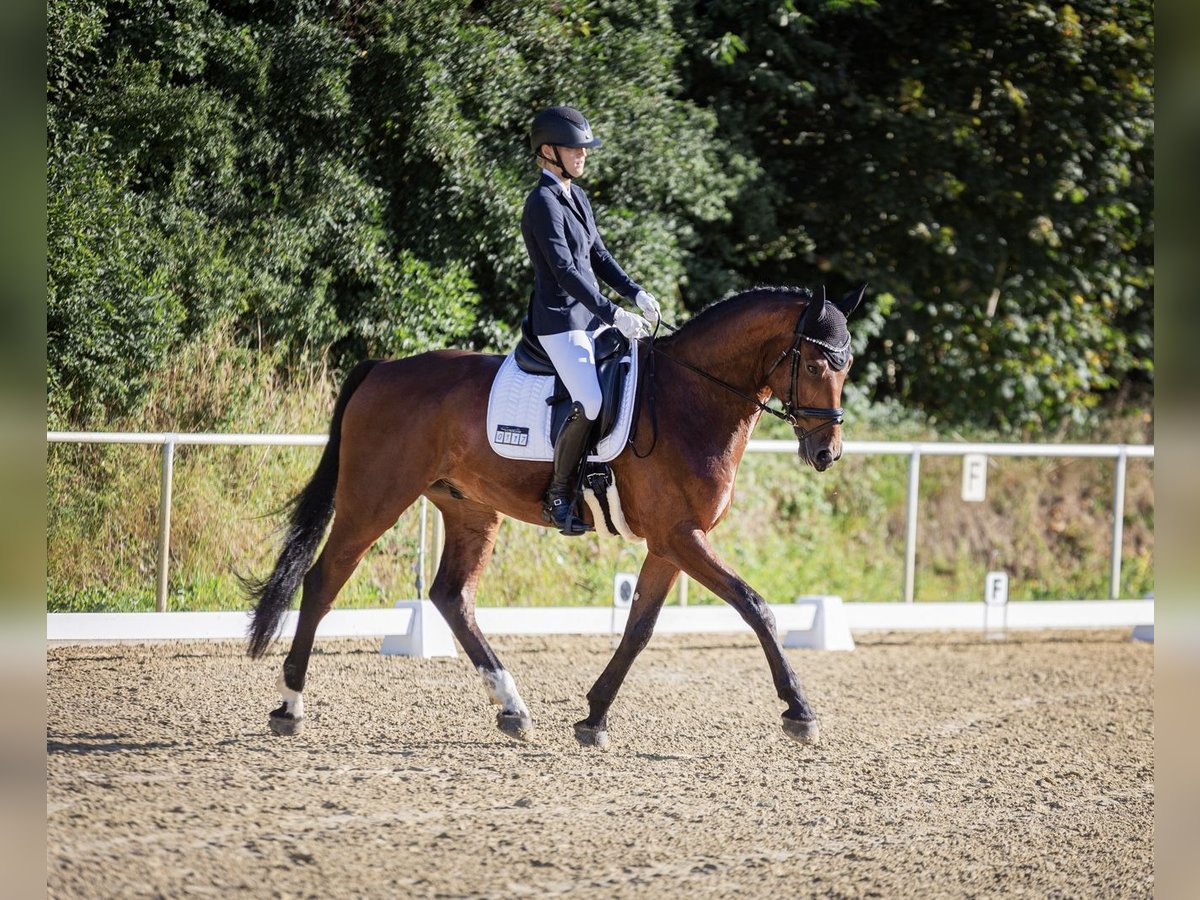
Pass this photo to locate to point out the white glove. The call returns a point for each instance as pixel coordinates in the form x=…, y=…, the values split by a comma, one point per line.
x=633, y=327
x=649, y=306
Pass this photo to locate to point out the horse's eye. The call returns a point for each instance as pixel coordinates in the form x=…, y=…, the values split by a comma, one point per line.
x=813, y=369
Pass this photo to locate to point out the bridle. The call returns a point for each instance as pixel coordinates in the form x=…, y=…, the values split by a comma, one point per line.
x=789, y=412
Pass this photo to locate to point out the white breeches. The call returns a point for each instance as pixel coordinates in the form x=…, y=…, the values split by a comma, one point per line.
x=574, y=356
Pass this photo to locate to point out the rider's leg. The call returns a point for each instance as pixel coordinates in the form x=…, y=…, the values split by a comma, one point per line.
x=574, y=356
x=569, y=451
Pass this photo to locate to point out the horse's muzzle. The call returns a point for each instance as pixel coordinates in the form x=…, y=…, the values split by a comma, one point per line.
x=821, y=447
x=822, y=459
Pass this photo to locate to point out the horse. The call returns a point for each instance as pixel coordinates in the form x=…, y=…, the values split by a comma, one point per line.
x=413, y=427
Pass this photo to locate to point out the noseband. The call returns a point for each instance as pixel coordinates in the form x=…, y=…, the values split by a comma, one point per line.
x=789, y=412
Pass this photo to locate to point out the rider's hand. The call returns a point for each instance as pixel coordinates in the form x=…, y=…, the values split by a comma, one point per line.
x=633, y=327
x=649, y=306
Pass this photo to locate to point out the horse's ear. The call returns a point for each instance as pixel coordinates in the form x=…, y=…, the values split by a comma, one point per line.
x=850, y=302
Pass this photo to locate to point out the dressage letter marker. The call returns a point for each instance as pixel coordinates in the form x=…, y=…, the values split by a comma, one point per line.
x=623, y=587
x=974, y=477
x=996, y=588
x=995, y=593
x=428, y=634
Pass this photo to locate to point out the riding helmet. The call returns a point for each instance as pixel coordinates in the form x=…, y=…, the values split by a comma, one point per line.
x=561, y=126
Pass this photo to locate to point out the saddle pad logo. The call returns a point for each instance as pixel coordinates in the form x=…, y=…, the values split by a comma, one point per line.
x=512, y=435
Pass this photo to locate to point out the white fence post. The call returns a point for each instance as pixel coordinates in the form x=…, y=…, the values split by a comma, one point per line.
x=421, y=548
x=910, y=524
x=439, y=544
x=164, y=521
x=1114, y=590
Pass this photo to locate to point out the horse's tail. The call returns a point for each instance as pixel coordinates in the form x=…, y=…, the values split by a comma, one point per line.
x=310, y=513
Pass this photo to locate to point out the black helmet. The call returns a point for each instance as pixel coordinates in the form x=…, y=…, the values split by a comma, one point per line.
x=561, y=126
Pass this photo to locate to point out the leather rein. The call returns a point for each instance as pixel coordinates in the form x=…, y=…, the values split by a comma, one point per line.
x=789, y=411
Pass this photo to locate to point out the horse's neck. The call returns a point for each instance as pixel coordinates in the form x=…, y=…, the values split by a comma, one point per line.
x=734, y=350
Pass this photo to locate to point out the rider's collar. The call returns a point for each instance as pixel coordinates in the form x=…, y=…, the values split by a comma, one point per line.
x=562, y=185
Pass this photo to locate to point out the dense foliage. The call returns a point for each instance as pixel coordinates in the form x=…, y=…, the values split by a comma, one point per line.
x=335, y=178
x=987, y=166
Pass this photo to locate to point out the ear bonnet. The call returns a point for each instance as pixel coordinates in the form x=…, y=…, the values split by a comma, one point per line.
x=825, y=325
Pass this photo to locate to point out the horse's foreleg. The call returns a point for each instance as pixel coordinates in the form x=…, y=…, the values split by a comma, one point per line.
x=654, y=582
x=692, y=552
x=470, y=537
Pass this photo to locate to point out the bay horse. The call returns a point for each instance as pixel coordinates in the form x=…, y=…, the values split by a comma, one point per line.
x=413, y=427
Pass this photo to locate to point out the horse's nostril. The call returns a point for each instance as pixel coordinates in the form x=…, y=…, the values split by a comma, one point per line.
x=824, y=457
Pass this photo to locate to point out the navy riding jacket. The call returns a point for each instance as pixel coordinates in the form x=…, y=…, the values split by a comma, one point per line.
x=567, y=255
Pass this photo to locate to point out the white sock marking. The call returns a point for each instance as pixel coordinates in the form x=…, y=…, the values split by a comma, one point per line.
x=294, y=700
x=502, y=691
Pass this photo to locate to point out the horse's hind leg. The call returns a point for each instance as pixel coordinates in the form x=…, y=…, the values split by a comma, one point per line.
x=655, y=580
x=351, y=535
x=470, y=537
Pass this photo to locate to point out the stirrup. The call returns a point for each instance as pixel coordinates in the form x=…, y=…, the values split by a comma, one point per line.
x=566, y=521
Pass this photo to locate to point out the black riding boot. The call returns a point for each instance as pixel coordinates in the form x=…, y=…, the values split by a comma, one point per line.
x=568, y=454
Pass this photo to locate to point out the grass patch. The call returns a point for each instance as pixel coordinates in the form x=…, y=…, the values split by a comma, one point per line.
x=1047, y=522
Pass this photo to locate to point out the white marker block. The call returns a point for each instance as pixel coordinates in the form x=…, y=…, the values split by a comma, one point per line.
x=830, y=629
x=428, y=634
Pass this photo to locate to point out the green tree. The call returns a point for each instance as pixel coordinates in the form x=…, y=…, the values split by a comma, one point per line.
x=448, y=91
x=987, y=166
x=346, y=174
x=110, y=315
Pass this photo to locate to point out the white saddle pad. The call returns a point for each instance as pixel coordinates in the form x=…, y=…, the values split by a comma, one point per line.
x=518, y=419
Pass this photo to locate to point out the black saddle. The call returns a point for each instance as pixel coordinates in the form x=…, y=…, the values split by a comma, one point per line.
x=611, y=349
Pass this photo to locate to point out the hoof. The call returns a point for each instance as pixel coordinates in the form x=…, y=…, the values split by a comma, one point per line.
x=516, y=726
x=802, y=732
x=284, y=723
x=589, y=736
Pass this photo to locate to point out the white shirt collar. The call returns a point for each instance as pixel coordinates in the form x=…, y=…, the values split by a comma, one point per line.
x=562, y=185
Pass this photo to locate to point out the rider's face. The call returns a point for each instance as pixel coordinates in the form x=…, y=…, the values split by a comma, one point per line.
x=574, y=159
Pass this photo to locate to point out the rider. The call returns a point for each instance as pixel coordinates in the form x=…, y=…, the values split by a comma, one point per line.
x=566, y=308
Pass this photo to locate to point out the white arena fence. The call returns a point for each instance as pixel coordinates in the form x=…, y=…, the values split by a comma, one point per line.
x=542, y=620
x=913, y=450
